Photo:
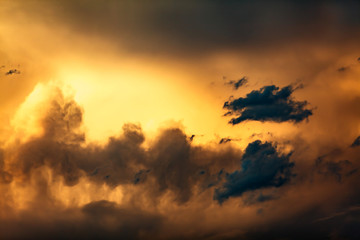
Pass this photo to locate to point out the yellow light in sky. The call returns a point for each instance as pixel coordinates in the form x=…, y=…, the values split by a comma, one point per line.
x=138, y=94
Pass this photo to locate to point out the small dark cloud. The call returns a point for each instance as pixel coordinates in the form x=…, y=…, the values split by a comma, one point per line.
x=338, y=169
x=268, y=104
x=141, y=176
x=202, y=172
x=343, y=69
x=261, y=167
x=358, y=59
x=255, y=198
x=237, y=84
x=12, y=71
x=192, y=138
x=225, y=140
x=356, y=143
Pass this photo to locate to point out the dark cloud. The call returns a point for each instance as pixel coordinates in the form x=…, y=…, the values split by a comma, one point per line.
x=339, y=169
x=191, y=137
x=261, y=167
x=356, y=142
x=96, y=220
x=5, y=177
x=342, y=69
x=12, y=71
x=239, y=83
x=256, y=198
x=202, y=27
x=344, y=226
x=268, y=104
x=225, y=140
x=176, y=164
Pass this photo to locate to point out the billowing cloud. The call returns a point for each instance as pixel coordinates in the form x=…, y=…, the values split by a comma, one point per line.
x=268, y=104
x=171, y=163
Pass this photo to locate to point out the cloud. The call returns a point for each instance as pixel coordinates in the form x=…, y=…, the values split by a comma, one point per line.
x=261, y=167
x=203, y=27
x=239, y=83
x=268, y=104
x=339, y=169
x=356, y=142
x=170, y=164
x=343, y=69
x=225, y=140
x=96, y=220
x=5, y=177
x=12, y=71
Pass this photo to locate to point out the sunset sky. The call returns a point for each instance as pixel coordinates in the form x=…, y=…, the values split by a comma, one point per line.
x=208, y=119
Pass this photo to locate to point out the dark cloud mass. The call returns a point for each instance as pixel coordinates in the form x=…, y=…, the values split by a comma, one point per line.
x=96, y=220
x=261, y=167
x=268, y=104
x=202, y=27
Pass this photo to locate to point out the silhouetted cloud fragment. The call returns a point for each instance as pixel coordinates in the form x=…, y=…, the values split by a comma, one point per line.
x=192, y=138
x=239, y=83
x=12, y=71
x=268, y=104
x=225, y=140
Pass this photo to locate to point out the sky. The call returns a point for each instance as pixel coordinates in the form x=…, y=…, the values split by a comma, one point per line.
x=173, y=119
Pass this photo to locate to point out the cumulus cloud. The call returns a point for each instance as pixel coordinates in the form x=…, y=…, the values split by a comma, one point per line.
x=261, y=167
x=268, y=104
x=170, y=164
